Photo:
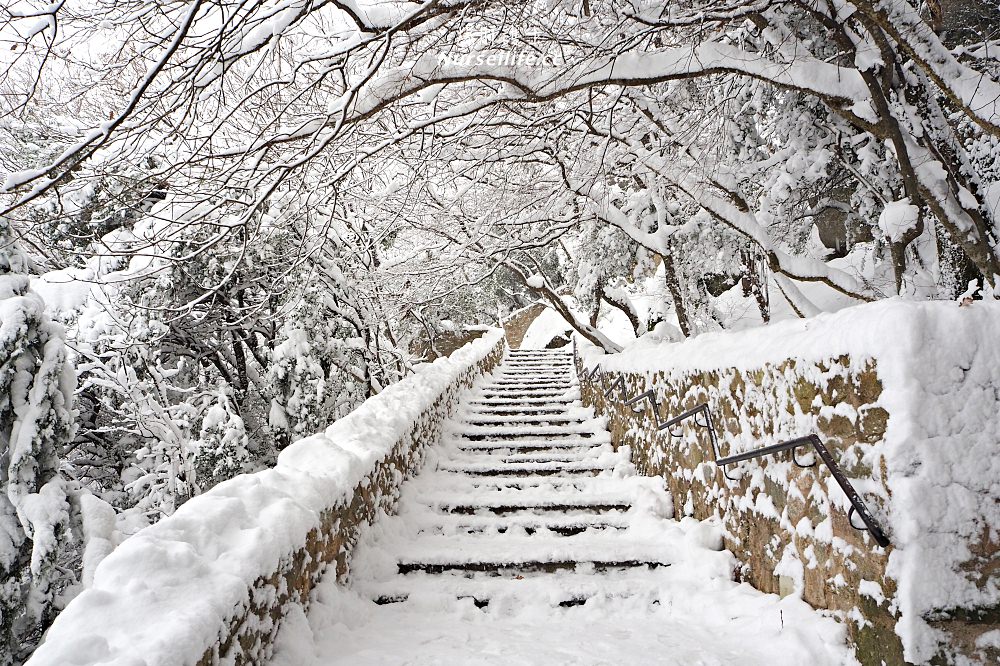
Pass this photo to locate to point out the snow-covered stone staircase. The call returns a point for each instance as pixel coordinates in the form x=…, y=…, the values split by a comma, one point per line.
x=528, y=539
x=527, y=499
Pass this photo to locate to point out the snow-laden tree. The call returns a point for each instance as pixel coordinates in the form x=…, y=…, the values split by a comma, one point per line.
x=37, y=516
x=221, y=450
x=794, y=90
x=173, y=356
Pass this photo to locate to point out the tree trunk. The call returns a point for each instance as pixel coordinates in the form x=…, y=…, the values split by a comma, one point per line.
x=586, y=330
x=627, y=308
x=676, y=295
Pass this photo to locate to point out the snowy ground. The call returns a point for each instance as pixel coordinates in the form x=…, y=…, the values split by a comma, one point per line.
x=653, y=590
x=705, y=622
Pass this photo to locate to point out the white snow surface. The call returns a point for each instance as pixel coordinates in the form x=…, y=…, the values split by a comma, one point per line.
x=703, y=621
x=536, y=281
x=162, y=596
x=546, y=326
x=897, y=218
x=938, y=364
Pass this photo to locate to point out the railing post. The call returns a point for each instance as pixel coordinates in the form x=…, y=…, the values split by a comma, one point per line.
x=858, y=505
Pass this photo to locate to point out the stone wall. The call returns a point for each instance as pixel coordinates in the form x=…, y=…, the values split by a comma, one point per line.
x=445, y=344
x=786, y=525
x=905, y=396
x=249, y=636
x=517, y=324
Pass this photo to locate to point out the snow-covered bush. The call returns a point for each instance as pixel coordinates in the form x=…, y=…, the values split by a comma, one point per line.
x=221, y=451
x=300, y=382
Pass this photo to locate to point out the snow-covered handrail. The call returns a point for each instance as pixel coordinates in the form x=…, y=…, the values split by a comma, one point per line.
x=858, y=505
x=213, y=581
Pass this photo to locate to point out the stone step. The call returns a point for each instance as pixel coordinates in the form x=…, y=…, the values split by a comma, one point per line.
x=535, y=379
x=527, y=384
x=527, y=420
x=558, y=530
x=500, y=410
x=546, y=357
x=559, y=407
x=523, y=436
x=581, y=472
x=558, y=404
x=512, y=486
x=537, y=446
x=497, y=456
x=587, y=427
x=566, y=370
x=489, y=552
x=557, y=589
x=527, y=565
x=496, y=468
x=521, y=396
x=525, y=388
x=514, y=507
x=479, y=602
x=487, y=491
x=565, y=398
x=564, y=524
x=524, y=391
x=538, y=352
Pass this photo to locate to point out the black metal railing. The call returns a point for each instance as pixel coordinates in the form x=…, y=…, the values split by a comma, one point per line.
x=704, y=412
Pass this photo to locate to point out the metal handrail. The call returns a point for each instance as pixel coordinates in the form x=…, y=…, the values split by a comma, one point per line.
x=858, y=505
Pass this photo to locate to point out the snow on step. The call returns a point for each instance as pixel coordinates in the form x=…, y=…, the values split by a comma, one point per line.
x=529, y=539
x=551, y=588
x=512, y=549
x=535, y=401
x=502, y=405
x=485, y=419
x=567, y=522
x=567, y=454
x=537, y=372
x=565, y=506
x=516, y=468
x=509, y=497
x=531, y=376
x=449, y=483
x=538, y=490
x=511, y=390
x=582, y=429
x=521, y=445
x=565, y=408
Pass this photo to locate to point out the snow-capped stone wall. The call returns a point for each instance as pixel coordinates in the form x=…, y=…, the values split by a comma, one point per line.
x=906, y=397
x=211, y=583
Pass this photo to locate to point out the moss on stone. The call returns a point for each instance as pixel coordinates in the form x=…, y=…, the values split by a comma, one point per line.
x=872, y=424
x=804, y=392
